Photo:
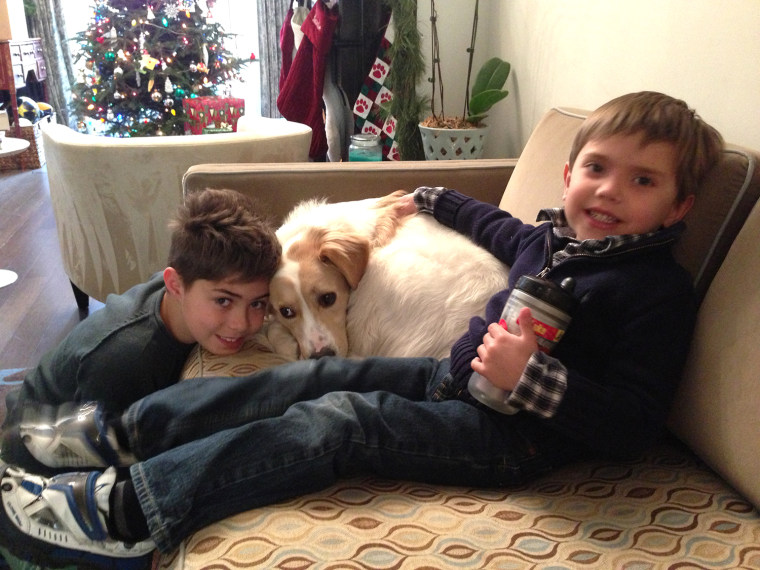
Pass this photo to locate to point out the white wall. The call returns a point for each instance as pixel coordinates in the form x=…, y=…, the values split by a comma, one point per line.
x=582, y=53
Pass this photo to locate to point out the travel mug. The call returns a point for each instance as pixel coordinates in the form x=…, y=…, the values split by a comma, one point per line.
x=551, y=306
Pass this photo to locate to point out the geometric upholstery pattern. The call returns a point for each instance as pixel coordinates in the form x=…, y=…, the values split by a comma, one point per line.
x=662, y=509
x=640, y=514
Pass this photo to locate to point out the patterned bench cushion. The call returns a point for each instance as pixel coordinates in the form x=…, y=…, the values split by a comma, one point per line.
x=655, y=512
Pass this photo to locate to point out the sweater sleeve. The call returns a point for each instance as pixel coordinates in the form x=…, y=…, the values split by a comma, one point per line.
x=492, y=228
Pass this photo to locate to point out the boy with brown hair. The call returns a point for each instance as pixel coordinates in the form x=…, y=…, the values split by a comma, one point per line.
x=211, y=448
x=213, y=292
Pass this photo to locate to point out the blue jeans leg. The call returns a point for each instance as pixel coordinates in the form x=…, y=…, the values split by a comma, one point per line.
x=315, y=442
x=195, y=408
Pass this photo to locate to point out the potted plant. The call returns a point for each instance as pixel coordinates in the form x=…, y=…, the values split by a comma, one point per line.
x=459, y=137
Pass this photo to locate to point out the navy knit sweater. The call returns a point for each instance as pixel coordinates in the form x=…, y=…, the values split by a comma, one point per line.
x=626, y=346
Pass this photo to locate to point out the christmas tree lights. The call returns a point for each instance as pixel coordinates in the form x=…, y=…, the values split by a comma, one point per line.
x=141, y=59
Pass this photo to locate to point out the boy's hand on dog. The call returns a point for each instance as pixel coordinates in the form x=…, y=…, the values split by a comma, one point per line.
x=503, y=356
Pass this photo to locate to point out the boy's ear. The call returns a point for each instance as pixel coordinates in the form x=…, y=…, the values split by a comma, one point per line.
x=679, y=210
x=173, y=281
x=566, y=178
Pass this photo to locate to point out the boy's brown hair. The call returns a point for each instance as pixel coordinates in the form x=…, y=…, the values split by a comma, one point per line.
x=660, y=118
x=217, y=234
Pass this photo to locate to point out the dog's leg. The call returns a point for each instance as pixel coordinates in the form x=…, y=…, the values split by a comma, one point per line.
x=281, y=341
x=388, y=221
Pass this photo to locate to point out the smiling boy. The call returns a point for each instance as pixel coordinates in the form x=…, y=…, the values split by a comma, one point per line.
x=214, y=292
x=604, y=391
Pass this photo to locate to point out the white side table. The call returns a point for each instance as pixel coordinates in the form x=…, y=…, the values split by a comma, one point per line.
x=8, y=147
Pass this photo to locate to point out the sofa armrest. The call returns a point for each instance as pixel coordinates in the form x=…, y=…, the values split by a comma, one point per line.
x=278, y=187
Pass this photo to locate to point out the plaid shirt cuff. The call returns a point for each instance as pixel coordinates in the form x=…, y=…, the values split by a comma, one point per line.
x=425, y=198
x=541, y=387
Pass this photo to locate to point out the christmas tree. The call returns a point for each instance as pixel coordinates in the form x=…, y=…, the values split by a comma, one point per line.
x=142, y=59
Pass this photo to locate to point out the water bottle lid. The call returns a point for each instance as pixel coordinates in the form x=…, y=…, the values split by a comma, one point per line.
x=560, y=296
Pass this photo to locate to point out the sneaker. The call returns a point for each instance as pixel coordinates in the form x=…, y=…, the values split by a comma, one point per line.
x=61, y=519
x=71, y=435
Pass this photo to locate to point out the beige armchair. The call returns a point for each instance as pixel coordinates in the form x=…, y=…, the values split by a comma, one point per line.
x=112, y=197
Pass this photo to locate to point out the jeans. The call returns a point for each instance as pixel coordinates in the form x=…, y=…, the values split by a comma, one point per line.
x=214, y=447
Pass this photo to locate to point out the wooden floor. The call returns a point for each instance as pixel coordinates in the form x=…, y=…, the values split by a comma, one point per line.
x=38, y=309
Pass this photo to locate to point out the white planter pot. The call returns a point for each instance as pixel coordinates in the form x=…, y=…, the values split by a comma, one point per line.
x=453, y=144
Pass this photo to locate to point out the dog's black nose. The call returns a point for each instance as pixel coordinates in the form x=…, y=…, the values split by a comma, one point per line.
x=323, y=352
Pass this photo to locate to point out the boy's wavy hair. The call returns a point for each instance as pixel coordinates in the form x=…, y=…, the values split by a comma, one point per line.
x=660, y=118
x=217, y=234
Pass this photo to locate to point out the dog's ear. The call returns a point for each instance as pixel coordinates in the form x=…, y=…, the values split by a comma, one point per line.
x=348, y=252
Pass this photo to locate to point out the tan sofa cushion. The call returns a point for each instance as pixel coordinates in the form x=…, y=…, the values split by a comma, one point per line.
x=652, y=513
x=717, y=411
x=279, y=187
x=256, y=354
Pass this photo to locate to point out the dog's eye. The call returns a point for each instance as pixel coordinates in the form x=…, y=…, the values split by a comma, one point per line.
x=287, y=312
x=327, y=300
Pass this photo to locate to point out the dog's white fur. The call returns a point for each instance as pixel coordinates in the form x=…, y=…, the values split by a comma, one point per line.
x=354, y=280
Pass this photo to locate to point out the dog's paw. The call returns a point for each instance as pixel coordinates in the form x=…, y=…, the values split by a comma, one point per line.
x=281, y=341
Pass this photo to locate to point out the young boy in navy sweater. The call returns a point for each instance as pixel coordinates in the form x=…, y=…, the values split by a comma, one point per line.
x=210, y=448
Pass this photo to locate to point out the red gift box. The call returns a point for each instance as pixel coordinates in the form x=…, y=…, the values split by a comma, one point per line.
x=212, y=114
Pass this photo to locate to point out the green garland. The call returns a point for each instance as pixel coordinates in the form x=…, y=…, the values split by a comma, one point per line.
x=407, y=68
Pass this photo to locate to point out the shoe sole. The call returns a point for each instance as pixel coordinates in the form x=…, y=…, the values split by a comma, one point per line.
x=48, y=555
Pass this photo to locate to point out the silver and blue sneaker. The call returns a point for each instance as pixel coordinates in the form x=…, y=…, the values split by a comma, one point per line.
x=61, y=519
x=71, y=435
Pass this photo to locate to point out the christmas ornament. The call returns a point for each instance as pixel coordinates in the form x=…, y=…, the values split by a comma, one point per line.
x=168, y=87
x=169, y=102
x=148, y=62
x=156, y=96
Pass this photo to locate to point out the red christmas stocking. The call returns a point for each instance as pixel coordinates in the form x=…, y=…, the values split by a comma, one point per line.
x=300, y=98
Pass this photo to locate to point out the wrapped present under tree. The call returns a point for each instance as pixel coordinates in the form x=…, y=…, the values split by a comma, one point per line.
x=212, y=114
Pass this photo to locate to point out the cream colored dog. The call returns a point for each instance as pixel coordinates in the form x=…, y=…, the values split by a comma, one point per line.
x=357, y=280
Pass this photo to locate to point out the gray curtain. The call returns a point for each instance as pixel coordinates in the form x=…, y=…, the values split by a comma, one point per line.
x=271, y=16
x=49, y=25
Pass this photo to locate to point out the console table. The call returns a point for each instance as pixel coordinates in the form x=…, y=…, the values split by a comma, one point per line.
x=21, y=61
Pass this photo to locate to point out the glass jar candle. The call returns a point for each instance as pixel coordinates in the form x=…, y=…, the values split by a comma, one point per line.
x=365, y=147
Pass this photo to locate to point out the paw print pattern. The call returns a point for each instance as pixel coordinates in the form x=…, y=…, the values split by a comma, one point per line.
x=379, y=70
x=370, y=129
x=393, y=153
x=384, y=96
x=389, y=128
x=362, y=106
